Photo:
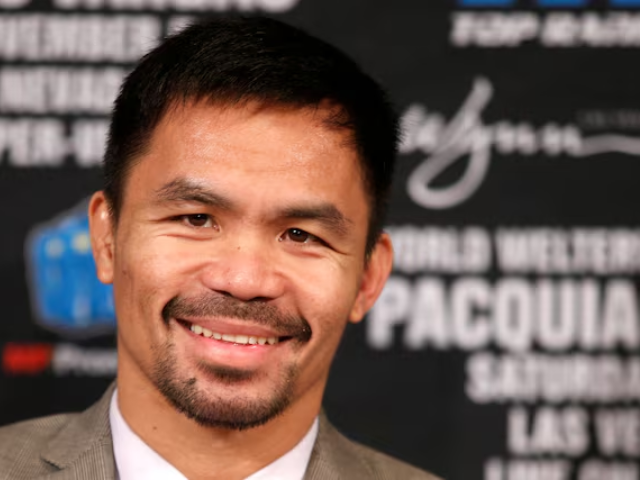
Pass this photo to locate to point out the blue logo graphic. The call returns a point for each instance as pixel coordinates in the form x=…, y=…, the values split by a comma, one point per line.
x=66, y=294
x=545, y=3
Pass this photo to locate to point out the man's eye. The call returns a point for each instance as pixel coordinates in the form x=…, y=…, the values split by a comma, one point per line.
x=197, y=220
x=300, y=236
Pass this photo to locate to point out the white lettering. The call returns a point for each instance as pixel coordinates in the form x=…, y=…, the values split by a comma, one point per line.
x=548, y=250
x=493, y=29
x=469, y=298
x=429, y=303
x=499, y=469
x=87, y=141
x=553, y=379
x=548, y=431
x=467, y=138
x=74, y=37
x=599, y=470
x=553, y=30
x=515, y=314
x=437, y=249
x=30, y=143
x=93, y=362
x=58, y=90
x=557, y=314
x=618, y=432
x=620, y=315
x=273, y=6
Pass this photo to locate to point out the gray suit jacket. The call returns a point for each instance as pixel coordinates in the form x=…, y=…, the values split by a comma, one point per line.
x=79, y=447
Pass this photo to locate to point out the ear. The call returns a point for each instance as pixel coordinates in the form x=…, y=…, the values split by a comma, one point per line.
x=376, y=272
x=101, y=228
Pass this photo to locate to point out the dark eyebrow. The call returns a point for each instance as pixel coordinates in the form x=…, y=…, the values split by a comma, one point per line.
x=325, y=213
x=183, y=190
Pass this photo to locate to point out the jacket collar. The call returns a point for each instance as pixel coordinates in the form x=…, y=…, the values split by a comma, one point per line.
x=333, y=457
x=83, y=448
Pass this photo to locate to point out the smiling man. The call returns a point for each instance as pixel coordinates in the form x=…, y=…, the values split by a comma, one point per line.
x=247, y=169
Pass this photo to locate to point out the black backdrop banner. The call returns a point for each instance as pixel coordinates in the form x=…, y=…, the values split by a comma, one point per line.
x=505, y=345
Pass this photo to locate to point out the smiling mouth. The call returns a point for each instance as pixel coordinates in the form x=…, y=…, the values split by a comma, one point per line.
x=231, y=338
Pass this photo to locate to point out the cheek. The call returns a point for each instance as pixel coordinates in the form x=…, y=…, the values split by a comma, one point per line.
x=143, y=277
x=327, y=298
x=326, y=306
x=145, y=263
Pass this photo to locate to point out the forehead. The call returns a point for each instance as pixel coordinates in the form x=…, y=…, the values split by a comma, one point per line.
x=249, y=130
x=228, y=147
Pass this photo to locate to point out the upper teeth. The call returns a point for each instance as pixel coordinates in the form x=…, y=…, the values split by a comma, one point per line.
x=225, y=337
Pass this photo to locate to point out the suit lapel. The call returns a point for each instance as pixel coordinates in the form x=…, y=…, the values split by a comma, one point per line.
x=333, y=457
x=83, y=449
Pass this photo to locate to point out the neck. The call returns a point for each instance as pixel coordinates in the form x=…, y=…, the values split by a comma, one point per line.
x=200, y=452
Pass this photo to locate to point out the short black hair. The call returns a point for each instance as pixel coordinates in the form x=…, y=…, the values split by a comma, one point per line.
x=233, y=60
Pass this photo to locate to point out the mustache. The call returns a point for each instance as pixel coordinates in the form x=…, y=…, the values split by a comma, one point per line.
x=257, y=311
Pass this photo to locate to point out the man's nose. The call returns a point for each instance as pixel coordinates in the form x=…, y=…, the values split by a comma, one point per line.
x=245, y=269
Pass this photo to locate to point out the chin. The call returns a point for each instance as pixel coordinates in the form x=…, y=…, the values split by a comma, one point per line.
x=222, y=397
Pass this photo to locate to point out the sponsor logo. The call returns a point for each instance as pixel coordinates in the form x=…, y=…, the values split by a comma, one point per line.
x=468, y=137
x=548, y=23
x=61, y=360
x=26, y=358
x=73, y=360
x=67, y=296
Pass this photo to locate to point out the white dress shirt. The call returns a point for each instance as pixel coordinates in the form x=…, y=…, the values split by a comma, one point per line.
x=135, y=460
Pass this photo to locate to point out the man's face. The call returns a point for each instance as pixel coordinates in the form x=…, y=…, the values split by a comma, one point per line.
x=238, y=258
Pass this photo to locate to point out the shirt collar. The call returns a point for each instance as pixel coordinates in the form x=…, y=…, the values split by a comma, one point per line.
x=135, y=460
